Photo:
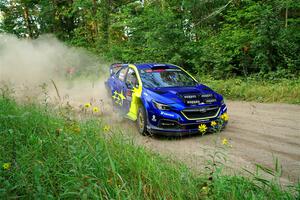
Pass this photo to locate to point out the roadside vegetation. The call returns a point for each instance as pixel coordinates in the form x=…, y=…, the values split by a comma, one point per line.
x=228, y=40
x=49, y=153
x=257, y=90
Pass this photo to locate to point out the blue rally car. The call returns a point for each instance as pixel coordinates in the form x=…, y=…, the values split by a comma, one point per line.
x=164, y=99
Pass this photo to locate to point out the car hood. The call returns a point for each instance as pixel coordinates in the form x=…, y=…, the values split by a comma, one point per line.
x=173, y=95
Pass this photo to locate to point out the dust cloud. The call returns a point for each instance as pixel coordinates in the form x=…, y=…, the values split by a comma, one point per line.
x=34, y=67
x=34, y=61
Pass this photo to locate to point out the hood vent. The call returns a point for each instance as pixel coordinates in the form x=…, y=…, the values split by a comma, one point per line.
x=197, y=99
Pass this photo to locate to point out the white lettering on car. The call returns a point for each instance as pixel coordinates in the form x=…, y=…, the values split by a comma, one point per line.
x=166, y=114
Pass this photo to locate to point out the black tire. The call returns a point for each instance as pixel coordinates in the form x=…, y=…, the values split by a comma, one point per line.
x=142, y=121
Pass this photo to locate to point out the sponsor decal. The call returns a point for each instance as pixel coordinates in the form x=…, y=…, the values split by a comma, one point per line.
x=166, y=114
x=194, y=102
x=190, y=96
x=206, y=95
x=154, y=118
x=210, y=100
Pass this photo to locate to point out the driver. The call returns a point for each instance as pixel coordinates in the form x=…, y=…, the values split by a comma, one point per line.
x=133, y=79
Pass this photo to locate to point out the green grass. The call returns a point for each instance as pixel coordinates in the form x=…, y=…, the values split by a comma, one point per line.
x=56, y=157
x=280, y=91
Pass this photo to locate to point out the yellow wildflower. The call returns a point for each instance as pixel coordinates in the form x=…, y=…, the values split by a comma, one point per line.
x=225, y=117
x=106, y=128
x=87, y=105
x=205, y=189
x=202, y=128
x=6, y=166
x=95, y=109
x=213, y=123
x=225, y=141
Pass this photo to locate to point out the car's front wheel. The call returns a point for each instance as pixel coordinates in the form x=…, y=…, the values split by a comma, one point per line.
x=142, y=121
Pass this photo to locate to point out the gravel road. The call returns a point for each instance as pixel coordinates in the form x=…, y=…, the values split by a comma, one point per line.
x=258, y=133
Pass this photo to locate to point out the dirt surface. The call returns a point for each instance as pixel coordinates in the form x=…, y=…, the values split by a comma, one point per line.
x=258, y=133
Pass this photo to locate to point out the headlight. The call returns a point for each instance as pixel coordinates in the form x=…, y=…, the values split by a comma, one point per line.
x=161, y=106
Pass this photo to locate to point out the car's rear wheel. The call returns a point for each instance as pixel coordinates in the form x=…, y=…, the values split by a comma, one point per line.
x=142, y=121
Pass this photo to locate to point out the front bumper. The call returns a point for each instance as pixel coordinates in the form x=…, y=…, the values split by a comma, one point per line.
x=176, y=124
x=191, y=129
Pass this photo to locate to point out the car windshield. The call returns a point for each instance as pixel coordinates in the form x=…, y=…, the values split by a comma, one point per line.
x=153, y=78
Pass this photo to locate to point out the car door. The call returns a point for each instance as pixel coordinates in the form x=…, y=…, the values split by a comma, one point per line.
x=119, y=87
x=131, y=82
x=133, y=92
x=111, y=83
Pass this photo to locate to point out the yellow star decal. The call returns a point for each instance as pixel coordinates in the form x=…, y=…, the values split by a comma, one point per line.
x=118, y=97
x=122, y=96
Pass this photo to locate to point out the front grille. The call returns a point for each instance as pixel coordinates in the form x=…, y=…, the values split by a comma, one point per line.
x=197, y=99
x=201, y=113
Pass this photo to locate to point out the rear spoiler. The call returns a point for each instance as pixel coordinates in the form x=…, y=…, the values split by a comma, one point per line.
x=114, y=68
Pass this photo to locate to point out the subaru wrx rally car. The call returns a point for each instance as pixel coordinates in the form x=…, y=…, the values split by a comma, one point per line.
x=163, y=98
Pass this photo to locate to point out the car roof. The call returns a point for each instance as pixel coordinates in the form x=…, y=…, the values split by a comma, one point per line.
x=154, y=65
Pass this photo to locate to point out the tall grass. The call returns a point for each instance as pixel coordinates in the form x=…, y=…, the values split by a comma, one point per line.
x=281, y=91
x=50, y=160
x=53, y=158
